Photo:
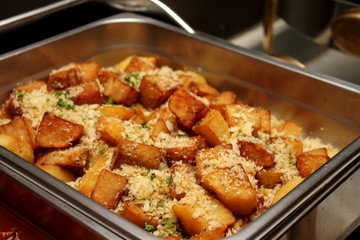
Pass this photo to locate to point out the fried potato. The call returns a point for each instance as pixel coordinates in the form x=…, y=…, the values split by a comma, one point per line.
x=55, y=132
x=286, y=188
x=35, y=85
x=165, y=122
x=268, y=179
x=76, y=157
x=217, y=152
x=139, y=116
x=309, y=162
x=59, y=172
x=247, y=118
x=133, y=153
x=215, y=234
x=223, y=99
x=185, y=154
x=89, y=94
x=289, y=129
x=120, y=92
x=189, y=77
x=118, y=111
x=257, y=153
x=183, y=177
x=89, y=70
x=195, y=223
x=110, y=129
x=63, y=78
x=19, y=128
x=187, y=109
x=105, y=75
x=156, y=89
x=109, y=189
x=17, y=146
x=202, y=89
x=137, y=64
x=233, y=189
x=11, y=108
x=213, y=128
x=135, y=214
x=88, y=180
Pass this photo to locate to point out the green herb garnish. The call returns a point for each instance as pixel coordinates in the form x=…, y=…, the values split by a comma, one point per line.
x=149, y=227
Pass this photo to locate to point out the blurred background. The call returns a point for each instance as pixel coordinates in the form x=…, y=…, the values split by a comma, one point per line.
x=302, y=28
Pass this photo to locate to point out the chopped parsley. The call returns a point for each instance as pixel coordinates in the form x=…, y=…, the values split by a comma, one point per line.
x=149, y=227
x=152, y=176
x=133, y=79
x=62, y=103
x=183, y=135
x=168, y=224
x=144, y=125
x=20, y=94
x=109, y=101
x=101, y=151
x=169, y=181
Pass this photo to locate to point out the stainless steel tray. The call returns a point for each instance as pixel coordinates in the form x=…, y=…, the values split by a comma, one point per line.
x=326, y=107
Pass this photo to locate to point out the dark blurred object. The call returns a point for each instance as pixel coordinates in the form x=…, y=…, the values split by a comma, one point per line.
x=314, y=18
x=346, y=31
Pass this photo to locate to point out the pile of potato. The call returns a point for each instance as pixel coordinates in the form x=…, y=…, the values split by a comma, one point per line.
x=181, y=105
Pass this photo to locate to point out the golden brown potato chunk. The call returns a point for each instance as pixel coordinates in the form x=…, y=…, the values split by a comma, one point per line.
x=89, y=94
x=247, y=118
x=187, y=109
x=185, y=154
x=233, y=189
x=64, y=78
x=120, y=92
x=195, y=219
x=89, y=70
x=286, y=188
x=105, y=75
x=289, y=129
x=55, y=132
x=215, y=234
x=135, y=214
x=139, y=117
x=202, y=89
x=59, y=172
x=110, y=129
x=15, y=145
x=35, y=85
x=137, y=64
x=118, y=111
x=213, y=128
x=156, y=89
x=88, y=180
x=109, y=188
x=223, y=99
x=20, y=129
x=165, y=122
x=11, y=108
x=309, y=162
x=133, y=153
x=268, y=179
x=72, y=157
x=257, y=153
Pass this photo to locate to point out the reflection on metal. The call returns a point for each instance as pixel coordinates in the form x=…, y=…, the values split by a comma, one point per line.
x=346, y=31
x=268, y=43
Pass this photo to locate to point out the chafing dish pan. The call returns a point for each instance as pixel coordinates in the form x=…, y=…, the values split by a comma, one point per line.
x=326, y=107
